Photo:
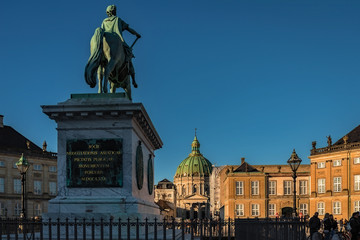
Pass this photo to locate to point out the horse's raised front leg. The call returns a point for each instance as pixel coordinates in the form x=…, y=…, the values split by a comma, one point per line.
x=100, y=73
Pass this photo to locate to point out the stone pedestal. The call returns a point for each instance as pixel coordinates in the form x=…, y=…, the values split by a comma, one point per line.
x=95, y=180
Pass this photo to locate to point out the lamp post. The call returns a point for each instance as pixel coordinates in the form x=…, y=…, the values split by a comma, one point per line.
x=294, y=162
x=23, y=166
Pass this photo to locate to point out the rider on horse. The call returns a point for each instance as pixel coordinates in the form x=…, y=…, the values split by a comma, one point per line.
x=114, y=24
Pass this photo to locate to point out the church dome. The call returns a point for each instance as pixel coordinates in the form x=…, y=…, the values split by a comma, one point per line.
x=195, y=164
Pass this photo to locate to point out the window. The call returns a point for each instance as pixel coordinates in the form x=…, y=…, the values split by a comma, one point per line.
x=239, y=210
x=239, y=188
x=337, y=207
x=255, y=209
x=304, y=208
x=17, y=209
x=272, y=187
x=337, y=184
x=321, y=185
x=37, y=167
x=2, y=185
x=2, y=164
x=255, y=188
x=37, y=209
x=357, y=206
x=321, y=164
x=303, y=187
x=37, y=187
x=17, y=186
x=321, y=208
x=357, y=182
x=3, y=211
x=52, y=188
x=272, y=209
x=357, y=160
x=337, y=163
x=287, y=187
x=52, y=168
x=194, y=189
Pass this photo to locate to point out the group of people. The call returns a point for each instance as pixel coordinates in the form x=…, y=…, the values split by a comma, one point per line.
x=330, y=225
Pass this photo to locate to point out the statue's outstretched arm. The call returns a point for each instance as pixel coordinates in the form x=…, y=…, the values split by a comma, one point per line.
x=132, y=31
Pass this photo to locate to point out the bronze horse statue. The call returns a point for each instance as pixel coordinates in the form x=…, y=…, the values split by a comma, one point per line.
x=109, y=63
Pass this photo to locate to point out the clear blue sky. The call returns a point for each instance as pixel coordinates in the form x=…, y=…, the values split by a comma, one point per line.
x=256, y=78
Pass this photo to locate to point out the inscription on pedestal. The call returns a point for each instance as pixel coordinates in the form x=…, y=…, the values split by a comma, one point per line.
x=94, y=163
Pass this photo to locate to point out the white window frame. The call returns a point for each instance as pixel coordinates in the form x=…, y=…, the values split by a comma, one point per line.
x=3, y=212
x=37, y=167
x=357, y=160
x=357, y=206
x=52, y=169
x=239, y=210
x=37, y=187
x=287, y=187
x=337, y=163
x=17, y=185
x=2, y=185
x=303, y=208
x=17, y=209
x=321, y=165
x=272, y=187
x=303, y=187
x=254, y=187
x=357, y=182
x=255, y=209
x=37, y=209
x=239, y=188
x=52, y=188
x=337, y=184
x=321, y=185
x=321, y=208
x=337, y=208
x=272, y=209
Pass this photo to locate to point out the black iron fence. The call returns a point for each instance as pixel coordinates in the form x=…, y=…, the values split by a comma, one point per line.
x=207, y=229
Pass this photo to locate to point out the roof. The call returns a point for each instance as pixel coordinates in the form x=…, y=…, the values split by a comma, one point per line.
x=353, y=136
x=195, y=164
x=165, y=181
x=12, y=140
x=245, y=167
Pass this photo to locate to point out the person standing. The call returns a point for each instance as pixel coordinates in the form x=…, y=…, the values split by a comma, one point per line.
x=314, y=224
x=355, y=226
x=330, y=226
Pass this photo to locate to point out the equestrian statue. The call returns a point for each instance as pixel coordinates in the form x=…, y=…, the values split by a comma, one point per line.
x=110, y=56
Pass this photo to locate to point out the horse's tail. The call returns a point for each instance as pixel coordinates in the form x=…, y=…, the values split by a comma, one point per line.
x=96, y=51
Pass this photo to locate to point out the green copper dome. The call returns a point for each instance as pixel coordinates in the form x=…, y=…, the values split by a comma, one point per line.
x=195, y=164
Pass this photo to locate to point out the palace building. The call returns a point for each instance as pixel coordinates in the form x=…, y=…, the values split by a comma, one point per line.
x=41, y=177
x=335, y=176
x=262, y=191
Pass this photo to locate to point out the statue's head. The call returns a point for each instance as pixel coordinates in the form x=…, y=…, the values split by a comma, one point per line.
x=111, y=10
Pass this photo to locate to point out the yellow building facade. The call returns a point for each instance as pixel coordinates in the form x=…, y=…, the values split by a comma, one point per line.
x=263, y=191
x=335, y=176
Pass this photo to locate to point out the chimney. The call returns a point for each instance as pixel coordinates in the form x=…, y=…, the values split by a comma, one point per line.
x=1, y=121
x=242, y=160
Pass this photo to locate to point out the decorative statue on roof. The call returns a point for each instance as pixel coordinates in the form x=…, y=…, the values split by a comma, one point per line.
x=329, y=141
x=110, y=55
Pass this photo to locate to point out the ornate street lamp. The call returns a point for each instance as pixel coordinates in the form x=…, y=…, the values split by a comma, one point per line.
x=23, y=166
x=294, y=162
